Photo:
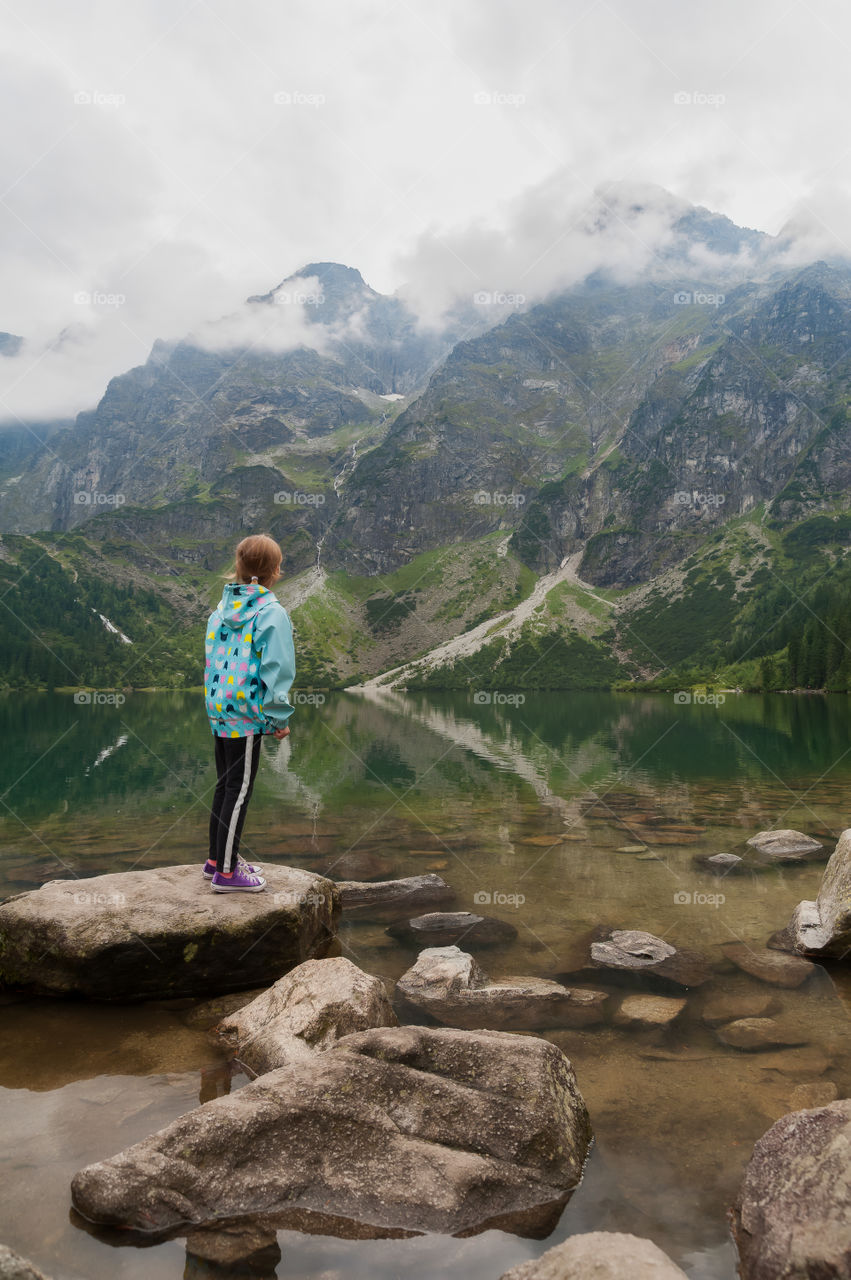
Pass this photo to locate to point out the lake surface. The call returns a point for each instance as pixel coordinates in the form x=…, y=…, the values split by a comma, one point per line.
x=523, y=807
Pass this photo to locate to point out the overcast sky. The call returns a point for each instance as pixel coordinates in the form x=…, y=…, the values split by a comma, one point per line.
x=163, y=159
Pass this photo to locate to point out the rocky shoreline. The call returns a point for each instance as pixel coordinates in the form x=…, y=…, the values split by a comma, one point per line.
x=354, y=1125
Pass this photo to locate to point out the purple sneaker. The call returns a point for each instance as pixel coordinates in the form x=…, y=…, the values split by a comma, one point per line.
x=242, y=881
x=209, y=873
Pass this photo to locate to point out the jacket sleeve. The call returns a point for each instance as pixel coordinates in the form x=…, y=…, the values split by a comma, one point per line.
x=273, y=638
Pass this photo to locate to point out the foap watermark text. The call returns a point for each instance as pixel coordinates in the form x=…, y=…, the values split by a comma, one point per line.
x=699, y=498
x=683, y=898
x=685, y=697
x=295, y=498
x=495, y=898
x=687, y=298
x=496, y=498
x=98, y=698
x=88, y=498
x=494, y=698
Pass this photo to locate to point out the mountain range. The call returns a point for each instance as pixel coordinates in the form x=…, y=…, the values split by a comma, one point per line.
x=640, y=476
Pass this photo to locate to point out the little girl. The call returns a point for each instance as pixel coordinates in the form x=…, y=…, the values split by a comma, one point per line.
x=249, y=671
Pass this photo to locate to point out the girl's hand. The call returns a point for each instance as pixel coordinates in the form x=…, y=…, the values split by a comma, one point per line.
x=282, y=733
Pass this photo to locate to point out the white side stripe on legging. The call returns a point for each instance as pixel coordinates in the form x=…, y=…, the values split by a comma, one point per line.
x=234, y=818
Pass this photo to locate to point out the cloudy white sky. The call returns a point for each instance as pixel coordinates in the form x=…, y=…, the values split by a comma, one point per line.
x=163, y=159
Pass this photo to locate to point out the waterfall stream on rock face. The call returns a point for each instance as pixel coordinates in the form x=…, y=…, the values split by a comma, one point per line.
x=346, y=469
x=559, y=813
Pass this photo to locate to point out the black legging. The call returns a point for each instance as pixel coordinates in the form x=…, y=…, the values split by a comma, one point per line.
x=236, y=769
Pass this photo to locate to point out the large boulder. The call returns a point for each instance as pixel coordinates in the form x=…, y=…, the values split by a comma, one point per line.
x=14, y=1267
x=448, y=928
x=305, y=1012
x=599, y=1255
x=408, y=1128
x=145, y=934
x=792, y=1216
x=448, y=985
x=784, y=845
x=395, y=897
x=823, y=927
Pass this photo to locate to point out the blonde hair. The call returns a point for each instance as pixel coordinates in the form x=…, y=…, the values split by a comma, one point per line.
x=257, y=557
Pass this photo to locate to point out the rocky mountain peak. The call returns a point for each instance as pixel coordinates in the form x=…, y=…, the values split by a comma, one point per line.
x=339, y=293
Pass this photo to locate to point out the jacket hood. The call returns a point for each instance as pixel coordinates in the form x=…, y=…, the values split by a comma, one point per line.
x=241, y=601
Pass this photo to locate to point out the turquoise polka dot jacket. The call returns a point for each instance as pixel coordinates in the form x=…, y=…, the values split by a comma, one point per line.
x=250, y=662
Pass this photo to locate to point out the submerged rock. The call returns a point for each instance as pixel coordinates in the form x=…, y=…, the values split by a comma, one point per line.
x=204, y=1014
x=775, y=967
x=445, y=928
x=599, y=1255
x=721, y=864
x=792, y=1216
x=14, y=1267
x=242, y=1250
x=758, y=1033
x=730, y=1006
x=357, y=865
x=807, y=1061
x=305, y=1012
x=448, y=984
x=784, y=845
x=813, y=1093
x=649, y=1011
x=147, y=934
x=408, y=1128
x=823, y=927
x=399, y=896
x=635, y=951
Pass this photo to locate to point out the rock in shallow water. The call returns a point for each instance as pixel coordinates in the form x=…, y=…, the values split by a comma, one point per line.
x=233, y=1251
x=399, y=897
x=205, y=1014
x=599, y=1255
x=784, y=845
x=145, y=934
x=758, y=1033
x=14, y=1267
x=649, y=1011
x=634, y=951
x=356, y=865
x=774, y=967
x=407, y=1128
x=813, y=1093
x=727, y=1007
x=448, y=984
x=446, y=928
x=305, y=1012
x=721, y=864
x=792, y=1216
x=823, y=927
